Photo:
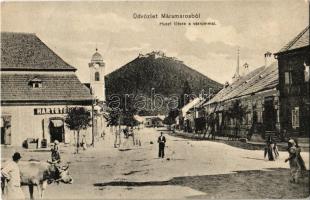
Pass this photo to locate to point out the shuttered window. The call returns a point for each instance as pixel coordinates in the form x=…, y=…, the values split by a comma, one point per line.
x=288, y=78
x=295, y=117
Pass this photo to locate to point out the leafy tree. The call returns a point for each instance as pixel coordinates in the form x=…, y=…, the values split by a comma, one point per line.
x=78, y=118
x=170, y=119
x=145, y=112
x=185, y=96
x=123, y=115
x=113, y=117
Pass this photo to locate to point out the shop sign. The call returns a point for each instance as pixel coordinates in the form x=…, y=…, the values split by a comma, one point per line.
x=49, y=111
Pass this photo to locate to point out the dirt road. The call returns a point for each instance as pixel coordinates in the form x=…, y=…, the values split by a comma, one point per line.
x=191, y=169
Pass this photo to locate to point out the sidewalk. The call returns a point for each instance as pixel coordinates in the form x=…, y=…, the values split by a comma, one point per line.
x=303, y=142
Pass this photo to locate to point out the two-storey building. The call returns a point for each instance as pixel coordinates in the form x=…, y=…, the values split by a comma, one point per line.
x=294, y=59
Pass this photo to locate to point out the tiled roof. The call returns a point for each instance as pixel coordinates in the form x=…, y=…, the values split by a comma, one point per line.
x=55, y=87
x=25, y=51
x=301, y=40
x=263, y=78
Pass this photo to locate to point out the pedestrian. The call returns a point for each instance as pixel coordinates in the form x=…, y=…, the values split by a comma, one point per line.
x=11, y=175
x=271, y=149
x=83, y=143
x=137, y=137
x=132, y=134
x=55, y=153
x=297, y=164
x=117, y=141
x=161, y=142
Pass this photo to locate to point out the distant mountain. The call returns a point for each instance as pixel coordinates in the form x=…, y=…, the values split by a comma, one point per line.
x=167, y=75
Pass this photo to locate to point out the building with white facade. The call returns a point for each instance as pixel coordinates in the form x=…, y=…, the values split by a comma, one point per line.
x=37, y=90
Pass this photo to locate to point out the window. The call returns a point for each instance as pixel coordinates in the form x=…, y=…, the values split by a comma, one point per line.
x=37, y=85
x=306, y=73
x=259, y=116
x=288, y=78
x=97, y=76
x=220, y=118
x=295, y=117
x=249, y=118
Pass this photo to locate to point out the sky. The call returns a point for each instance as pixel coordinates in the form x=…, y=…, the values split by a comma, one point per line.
x=75, y=29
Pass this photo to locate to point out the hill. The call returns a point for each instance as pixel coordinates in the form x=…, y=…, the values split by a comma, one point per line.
x=167, y=75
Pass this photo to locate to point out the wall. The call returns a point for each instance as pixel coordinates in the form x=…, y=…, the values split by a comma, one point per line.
x=25, y=124
x=252, y=103
x=296, y=94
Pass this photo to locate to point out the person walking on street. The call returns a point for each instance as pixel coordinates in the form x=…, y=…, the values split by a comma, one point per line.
x=161, y=141
x=297, y=165
x=11, y=174
x=271, y=149
x=117, y=141
x=83, y=143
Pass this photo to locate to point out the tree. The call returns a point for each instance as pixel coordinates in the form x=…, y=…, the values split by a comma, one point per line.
x=113, y=117
x=170, y=119
x=78, y=118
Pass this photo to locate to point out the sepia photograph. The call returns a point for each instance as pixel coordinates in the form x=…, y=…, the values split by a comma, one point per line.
x=155, y=99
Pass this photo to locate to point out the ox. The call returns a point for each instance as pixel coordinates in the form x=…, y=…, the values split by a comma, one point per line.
x=39, y=174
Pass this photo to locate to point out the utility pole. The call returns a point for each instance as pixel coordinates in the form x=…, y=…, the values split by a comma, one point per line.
x=92, y=118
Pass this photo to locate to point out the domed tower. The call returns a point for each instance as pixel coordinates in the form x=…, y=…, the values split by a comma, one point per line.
x=97, y=73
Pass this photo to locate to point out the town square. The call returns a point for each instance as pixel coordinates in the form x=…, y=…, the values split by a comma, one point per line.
x=155, y=100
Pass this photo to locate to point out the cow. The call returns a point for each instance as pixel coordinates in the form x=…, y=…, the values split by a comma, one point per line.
x=40, y=174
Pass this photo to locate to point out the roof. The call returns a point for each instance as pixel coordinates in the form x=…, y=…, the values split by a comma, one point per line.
x=138, y=118
x=162, y=117
x=25, y=51
x=97, y=57
x=301, y=40
x=55, y=87
x=190, y=105
x=260, y=79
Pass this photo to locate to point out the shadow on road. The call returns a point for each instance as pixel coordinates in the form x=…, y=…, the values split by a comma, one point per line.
x=254, y=158
x=273, y=183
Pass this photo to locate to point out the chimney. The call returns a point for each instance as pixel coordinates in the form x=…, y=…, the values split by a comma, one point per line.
x=226, y=84
x=268, y=57
x=245, y=70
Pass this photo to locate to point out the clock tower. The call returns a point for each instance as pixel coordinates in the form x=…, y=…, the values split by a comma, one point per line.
x=97, y=73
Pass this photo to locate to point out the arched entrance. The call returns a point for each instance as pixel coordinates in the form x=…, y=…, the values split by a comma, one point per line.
x=57, y=129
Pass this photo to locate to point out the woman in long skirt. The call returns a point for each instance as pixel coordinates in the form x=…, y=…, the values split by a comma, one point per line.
x=297, y=164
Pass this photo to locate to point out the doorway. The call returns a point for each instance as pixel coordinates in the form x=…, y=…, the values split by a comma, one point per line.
x=6, y=130
x=270, y=114
x=57, y=130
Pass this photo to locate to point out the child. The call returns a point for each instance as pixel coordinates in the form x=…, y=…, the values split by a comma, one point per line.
x=55, y=152
x=83, y=143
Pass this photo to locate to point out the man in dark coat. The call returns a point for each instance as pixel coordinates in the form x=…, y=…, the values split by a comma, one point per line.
x=161, y=141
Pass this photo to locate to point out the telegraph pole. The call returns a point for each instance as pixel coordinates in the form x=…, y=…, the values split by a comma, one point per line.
x=92, y=118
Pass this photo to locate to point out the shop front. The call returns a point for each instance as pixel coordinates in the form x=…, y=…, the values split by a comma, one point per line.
x=20, y=123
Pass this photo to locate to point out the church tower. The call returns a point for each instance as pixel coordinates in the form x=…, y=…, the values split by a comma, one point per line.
x=237, y=75
x=97, y=73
